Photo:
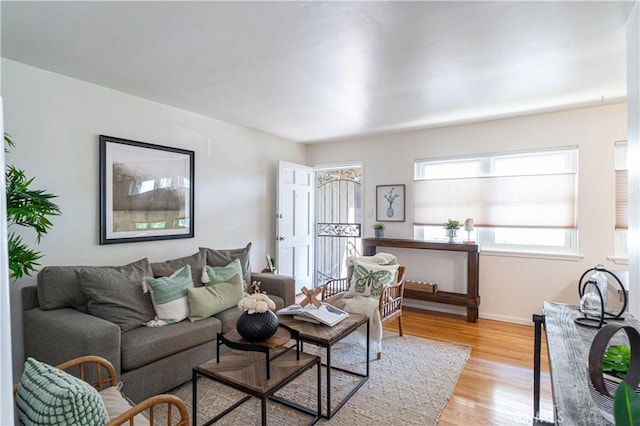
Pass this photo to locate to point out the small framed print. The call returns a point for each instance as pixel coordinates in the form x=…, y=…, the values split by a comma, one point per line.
x=390, y=202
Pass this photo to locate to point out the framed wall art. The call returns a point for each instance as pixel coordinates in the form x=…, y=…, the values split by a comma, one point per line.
x=146, y=191
x=390, y=202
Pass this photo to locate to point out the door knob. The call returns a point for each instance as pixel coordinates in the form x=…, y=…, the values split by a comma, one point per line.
x=279, y=238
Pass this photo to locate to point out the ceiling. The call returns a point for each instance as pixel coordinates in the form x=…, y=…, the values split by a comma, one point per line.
x=318, y=71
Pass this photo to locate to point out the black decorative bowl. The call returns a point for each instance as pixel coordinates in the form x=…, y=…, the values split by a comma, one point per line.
x=257, y=326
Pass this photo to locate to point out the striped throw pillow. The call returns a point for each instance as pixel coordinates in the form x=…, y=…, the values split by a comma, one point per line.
x=48, y=396
x=219, y=274
x=169, y=296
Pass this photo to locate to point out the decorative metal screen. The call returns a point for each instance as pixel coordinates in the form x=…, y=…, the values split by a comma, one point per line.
x=339, y=220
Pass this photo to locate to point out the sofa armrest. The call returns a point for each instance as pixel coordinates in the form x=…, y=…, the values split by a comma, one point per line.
x=278, y=285
x=59, y=335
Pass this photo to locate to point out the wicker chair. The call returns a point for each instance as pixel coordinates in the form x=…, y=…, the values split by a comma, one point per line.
x=104, y=376
x=389, y=304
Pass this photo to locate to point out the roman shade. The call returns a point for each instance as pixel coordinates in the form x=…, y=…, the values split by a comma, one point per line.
x=541, y=200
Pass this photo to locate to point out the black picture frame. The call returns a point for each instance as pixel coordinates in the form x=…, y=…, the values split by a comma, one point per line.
x=390, y=203
x=146, y=191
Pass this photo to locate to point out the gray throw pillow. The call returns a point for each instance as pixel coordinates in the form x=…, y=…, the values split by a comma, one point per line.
x=224, y=257
x=58, y=288
x=115, y=293
x=197, y=261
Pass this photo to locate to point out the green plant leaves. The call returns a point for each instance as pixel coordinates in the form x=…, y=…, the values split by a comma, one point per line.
x=626, y=406
x=22, y=260
x=616, y=360
x=451, y=224
x=29, y=208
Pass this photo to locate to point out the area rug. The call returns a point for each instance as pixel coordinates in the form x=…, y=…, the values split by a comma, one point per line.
x=411, y=384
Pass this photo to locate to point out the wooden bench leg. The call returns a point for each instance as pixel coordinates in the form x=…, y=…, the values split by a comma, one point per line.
x=400, y=325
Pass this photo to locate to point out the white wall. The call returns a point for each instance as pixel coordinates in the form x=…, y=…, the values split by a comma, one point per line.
x=6, y=376
x=55, y=122
x=633, y=156
x=511, y=288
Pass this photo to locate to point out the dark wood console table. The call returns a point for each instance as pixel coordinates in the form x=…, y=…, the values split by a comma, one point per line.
x=470, y=300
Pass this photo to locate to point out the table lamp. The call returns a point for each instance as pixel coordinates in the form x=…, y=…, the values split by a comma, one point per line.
x=468, y=226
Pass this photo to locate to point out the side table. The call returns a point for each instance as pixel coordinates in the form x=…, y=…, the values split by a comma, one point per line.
x=326, y=337
x=242, y=370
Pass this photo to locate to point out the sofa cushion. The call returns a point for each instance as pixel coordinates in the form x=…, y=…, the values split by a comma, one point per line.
x=115, y=294
x=58, y=288
x=196, y=261
x=212, y=299
x=224, y=257
x=169, y=296
x=47, y=395
x=229, y=317
x=144, y=345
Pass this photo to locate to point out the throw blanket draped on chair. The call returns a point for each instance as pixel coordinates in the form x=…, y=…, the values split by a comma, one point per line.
x=363, y=304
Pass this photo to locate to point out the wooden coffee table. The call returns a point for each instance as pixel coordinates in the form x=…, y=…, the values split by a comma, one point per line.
x=246, y=371
x=325, y=336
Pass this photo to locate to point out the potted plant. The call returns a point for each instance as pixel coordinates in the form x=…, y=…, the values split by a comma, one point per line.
x=452, y=227
x=27, y=208
x=378, y=230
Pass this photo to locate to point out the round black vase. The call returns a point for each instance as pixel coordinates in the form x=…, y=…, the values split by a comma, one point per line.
x=257, y=327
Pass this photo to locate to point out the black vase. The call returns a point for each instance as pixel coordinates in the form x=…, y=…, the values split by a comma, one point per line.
x=257, y=327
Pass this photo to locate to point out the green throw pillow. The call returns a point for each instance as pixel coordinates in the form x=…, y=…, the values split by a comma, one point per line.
x=370, y=279
x=220, y=274
x=169, y=296
x=212, y=299
x=48, y=396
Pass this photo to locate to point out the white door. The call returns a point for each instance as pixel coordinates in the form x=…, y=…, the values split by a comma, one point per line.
x=295, y=223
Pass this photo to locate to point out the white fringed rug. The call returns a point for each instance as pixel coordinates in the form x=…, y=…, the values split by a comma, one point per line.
x=411, y=384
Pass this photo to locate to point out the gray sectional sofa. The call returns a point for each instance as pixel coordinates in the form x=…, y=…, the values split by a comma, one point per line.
x=59, y=325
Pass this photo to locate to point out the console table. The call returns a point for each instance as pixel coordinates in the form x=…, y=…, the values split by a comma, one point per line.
x=470, y=300
x=568, y=345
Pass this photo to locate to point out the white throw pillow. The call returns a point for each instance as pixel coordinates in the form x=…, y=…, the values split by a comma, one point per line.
x=117, y=404
x=169, y=296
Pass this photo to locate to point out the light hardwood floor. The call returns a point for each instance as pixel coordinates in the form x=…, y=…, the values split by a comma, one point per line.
x=496, y=385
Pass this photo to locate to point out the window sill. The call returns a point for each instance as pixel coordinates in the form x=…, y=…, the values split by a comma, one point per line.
x=619, y=260
x=549, y=256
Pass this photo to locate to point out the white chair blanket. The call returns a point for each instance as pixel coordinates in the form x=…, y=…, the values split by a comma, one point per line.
x=366, y=306
x=377, y=259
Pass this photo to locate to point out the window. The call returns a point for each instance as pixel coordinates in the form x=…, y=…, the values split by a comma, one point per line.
x=521, y=201
x=622, y=200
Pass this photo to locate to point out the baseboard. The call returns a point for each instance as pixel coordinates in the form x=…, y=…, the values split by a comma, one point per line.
x=504, y=318
x=429, y=306
x=456, y=310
